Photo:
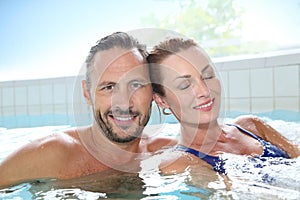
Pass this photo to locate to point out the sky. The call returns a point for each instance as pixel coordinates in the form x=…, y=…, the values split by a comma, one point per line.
x=51, y=38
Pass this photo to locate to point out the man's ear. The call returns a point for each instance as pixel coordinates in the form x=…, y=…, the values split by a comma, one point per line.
x=86, y=92
x=160, y=101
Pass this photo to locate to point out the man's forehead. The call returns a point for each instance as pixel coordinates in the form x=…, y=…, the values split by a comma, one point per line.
x=117, y=59
x=119, y=64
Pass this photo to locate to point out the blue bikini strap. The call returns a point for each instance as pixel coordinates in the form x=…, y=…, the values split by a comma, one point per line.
x=245, y=131
x=215, y=161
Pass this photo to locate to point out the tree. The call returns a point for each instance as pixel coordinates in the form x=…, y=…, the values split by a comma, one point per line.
x=215, y=24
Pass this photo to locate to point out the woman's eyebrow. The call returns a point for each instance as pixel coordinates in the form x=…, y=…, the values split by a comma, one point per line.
x=183, y=76
x=206, y=67
x=189, y=76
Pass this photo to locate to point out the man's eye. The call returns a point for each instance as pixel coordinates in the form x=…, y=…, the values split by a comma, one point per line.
x=136, y=85
x=107, y=87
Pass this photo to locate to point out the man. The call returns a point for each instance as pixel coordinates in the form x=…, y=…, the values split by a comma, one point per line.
x=117, y=87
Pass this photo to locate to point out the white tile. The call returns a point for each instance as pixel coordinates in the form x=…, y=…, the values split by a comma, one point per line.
x=7, y=84
x=21, y=110
x=78, y=97
x=287, y=103
x=243, y=63
x=225, y=105
x=261, y=82
x=34, y=110
x=34, y=95
x=69, y=92
x=20, y=96
x=69, y=109
x=47, y=109
x=262, y=105
x=8, y=96
x=46, y=94
x=224, y=83
x=59, y=91
x=60, y=109
x=283, y=60
x=287, y=81
x=242, y=105
x=8, y=110
x=239, y=83
x=0, y=98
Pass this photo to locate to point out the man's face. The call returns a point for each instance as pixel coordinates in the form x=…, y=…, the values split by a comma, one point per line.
x=121, y=94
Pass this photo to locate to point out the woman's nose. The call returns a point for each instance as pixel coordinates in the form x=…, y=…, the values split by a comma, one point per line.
x=201, y=89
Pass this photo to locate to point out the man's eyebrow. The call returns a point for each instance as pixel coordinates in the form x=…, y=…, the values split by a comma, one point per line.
x=106, y=83
x=142, y=80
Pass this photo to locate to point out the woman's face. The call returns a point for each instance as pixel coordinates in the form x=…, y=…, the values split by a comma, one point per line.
x=193, y=91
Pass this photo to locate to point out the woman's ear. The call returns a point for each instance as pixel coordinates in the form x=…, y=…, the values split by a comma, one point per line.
x=160, y=101
x=86, y=92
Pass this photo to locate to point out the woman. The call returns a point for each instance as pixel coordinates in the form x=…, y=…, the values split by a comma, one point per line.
x=184, y=81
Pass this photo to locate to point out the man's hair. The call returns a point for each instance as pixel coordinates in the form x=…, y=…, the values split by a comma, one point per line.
x=117, y=39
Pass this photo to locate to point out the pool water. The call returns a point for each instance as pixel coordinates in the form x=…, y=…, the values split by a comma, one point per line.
x=273, y=178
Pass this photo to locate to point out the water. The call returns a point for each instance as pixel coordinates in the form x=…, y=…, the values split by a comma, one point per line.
x=273, y=178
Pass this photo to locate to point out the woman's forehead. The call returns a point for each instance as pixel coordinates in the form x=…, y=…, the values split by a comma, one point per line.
x=186, y=60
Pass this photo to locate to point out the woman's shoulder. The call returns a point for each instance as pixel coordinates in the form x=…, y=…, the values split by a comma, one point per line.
x=250, y=122
x=245, y=120
x=174, y=165
x=253, y=124
x=157, y=143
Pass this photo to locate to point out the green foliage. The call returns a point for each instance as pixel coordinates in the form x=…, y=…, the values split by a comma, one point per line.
x=216, y=24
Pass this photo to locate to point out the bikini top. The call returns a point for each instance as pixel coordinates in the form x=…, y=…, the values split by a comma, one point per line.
x=269, y=150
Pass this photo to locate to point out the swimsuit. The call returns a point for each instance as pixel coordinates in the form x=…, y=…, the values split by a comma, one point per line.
x=269, y=150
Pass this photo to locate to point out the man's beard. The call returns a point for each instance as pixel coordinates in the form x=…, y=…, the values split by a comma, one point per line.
x=108, y=129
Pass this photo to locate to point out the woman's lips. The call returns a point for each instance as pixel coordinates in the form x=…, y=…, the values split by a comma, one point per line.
x=205, y=106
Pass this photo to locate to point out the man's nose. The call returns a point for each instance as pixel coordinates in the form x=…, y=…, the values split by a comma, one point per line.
x=122, y=98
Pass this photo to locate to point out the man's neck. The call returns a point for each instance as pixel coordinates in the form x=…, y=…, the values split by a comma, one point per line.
x=120, y=156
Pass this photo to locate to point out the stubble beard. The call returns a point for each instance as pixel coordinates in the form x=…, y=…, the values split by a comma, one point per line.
x=112, y=134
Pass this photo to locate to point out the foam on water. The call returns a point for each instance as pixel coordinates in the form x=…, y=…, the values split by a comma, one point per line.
x=247, y=178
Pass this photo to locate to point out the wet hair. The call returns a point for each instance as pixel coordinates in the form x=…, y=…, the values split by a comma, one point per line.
x=117, y=39
x=159, y=53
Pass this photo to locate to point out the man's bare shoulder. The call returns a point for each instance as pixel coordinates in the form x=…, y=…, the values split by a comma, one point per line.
x=42, y=158
x=57, y=142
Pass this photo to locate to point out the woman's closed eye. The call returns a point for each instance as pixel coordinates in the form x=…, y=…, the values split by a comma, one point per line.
x=184, y=85
x=208, y=75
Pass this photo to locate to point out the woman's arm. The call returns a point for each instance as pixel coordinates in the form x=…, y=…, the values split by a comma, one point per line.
x=266, y=132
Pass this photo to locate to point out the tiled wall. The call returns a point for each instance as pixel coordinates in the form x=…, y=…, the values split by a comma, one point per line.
x=39, y=102
x=262, y=84
x=252, y=85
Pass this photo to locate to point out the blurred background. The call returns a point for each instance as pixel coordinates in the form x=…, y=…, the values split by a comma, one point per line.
x=51, y=38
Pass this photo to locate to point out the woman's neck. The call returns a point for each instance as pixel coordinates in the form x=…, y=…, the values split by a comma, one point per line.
x=203, y=137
